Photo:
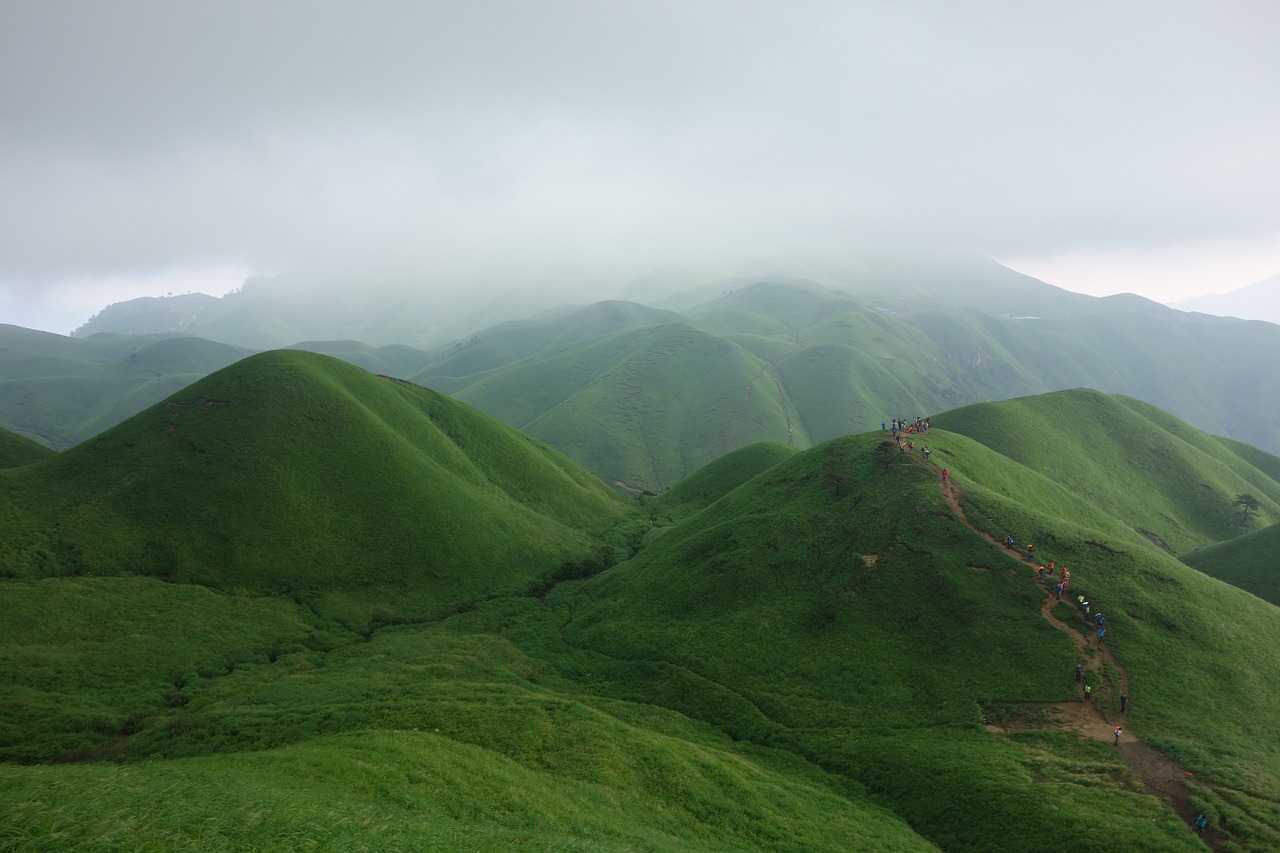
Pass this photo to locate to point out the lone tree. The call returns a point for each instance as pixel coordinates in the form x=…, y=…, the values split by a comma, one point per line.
x=1249, y=506
x=884, y=450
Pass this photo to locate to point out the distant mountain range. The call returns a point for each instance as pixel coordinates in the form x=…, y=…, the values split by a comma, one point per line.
x=1258, y=301
x=299, y=605
x=643, y=394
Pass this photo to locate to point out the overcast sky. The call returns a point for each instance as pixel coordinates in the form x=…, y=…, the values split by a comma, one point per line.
x=149, y=147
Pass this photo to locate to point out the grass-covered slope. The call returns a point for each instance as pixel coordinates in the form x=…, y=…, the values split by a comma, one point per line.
x=809, y=651
x=868, y=628
x=1248, y=561
x=293, y=471
x=16, y=450
x=1170, y=482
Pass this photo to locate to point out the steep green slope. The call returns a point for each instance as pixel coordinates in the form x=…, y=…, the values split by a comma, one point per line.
x=292, y=471
x=1248, y=561
x=1172, y=483
x=16, y=450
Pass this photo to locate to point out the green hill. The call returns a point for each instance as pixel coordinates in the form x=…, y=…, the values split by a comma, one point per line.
x=292, y=471
x=641, y=408
x=814, y=650
x=60, y=391
x=16, y=450
x=1173, y=484
x=1248, y=561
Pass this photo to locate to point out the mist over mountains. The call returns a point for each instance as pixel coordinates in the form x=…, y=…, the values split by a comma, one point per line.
x=701, y=365
x=1257, y=301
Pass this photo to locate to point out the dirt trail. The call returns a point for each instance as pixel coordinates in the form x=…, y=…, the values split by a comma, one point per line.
x=1160, y=776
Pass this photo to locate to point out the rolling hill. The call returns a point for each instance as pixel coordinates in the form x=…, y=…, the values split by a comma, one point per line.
x=60, y=391
x=16, y=450
x=821, y=649
x=1180, y=485
x=1247, y=561
x=289, y=471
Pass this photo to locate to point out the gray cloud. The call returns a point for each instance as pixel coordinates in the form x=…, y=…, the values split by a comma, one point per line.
x=453, y=137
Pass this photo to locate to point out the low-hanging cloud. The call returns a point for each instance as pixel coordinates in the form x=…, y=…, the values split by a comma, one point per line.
x=461, y=138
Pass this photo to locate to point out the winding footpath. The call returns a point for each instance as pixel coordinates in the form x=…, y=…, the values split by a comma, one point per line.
x=1160, y=776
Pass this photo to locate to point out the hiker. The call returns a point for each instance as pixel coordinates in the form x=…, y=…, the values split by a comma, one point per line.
x=1008, y=542
x=1201, y=823
x=1057, y=590
x=926, y=454
x=1118, y=731
x=882, y=426
x=945, y=474
x=1040, y=572
x=1088, y=693
x=1031, y=551
x=1102, y=633
x=1079, y=673
x=912, y=447
x=1051, y=567
x=1099, y=619
x=1124, y=702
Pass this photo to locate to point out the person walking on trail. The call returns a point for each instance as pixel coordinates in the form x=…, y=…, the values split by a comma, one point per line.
x=1057, y=590
x=1118, y=731
x=1124, y=702
x=1008, y=542
x=1088, y=693
x=1079, y=673
x=1031, y=551
x=945, y=474
x=1201, y=823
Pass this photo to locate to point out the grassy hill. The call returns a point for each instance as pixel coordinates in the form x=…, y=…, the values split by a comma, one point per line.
x=1248, y=561
x=16, y=450
x=800, y=650
x=1178, y=486
x=642, y=408
x=295, y=472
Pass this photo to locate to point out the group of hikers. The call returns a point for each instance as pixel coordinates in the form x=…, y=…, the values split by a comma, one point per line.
x=903, y=429
x=1085, y=607
x=905, y=426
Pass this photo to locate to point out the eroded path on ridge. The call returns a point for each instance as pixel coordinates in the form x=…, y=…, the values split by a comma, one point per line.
x=1160, y=776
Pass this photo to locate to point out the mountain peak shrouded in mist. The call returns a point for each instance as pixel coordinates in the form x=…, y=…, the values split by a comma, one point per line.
x=454, y=143
x=1257, y=301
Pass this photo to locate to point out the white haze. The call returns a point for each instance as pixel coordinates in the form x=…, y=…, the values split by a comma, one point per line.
x=152, y=147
